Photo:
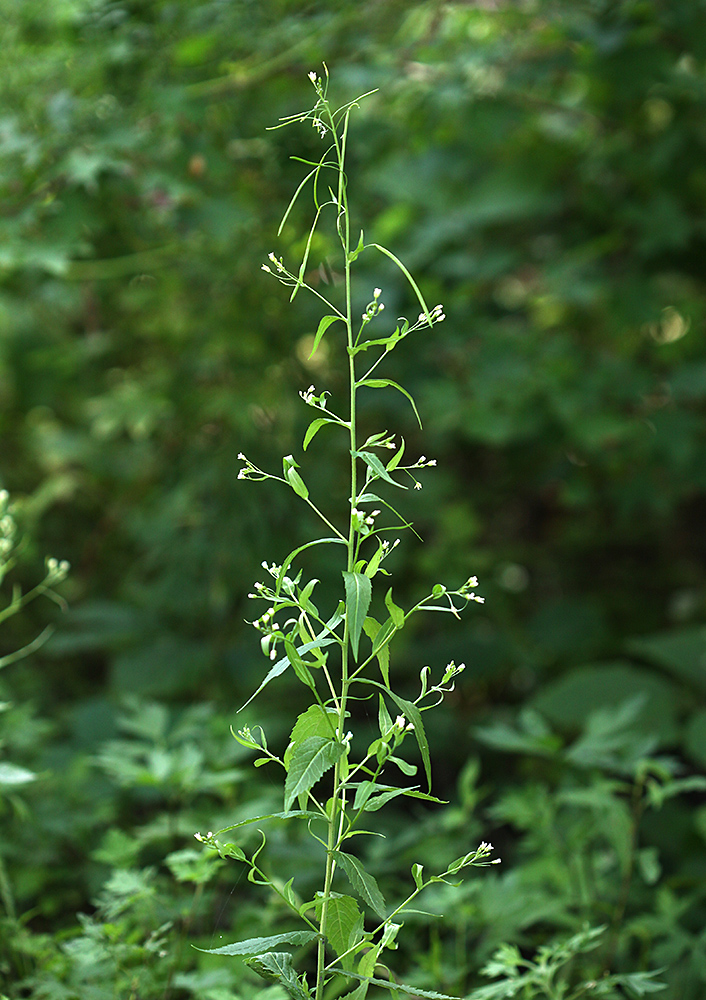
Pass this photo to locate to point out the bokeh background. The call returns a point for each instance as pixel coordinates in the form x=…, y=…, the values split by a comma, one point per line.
x=540, y=167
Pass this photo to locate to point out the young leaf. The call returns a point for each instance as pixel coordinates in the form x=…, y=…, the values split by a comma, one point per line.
x=276, y=967
x=381, y=383
x=374, y=463
x=289, y=469
x=396, y=613
x=358, y=594
x=358, y=250
x=362, y=881
x=323, y=327
x=310, y=760
x=298, y=665
x=412, y=713
x=397, y=457
x=372, y=628
x=314, y=427
x=254, y=946
x=374, y=563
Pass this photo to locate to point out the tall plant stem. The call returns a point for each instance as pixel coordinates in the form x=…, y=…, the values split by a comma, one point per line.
x=337, y=806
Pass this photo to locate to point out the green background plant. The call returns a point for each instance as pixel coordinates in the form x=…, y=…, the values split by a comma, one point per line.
x=539, y=168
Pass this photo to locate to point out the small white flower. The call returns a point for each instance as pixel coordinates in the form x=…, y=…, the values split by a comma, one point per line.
x=400, y=722
x=377, y=292
x=312, y=76
x=417, y=486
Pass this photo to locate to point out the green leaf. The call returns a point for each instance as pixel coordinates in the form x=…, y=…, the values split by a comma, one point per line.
x=315, y=426
x=310, y=760
x=316, y=721
x=253, y=946
x=362, y=881
x=343, y=921
x=381, y=383
x=404, y=766
x=358, y=250
x=358, y=594
x=260, y=819
x=409, y=278
x=412, y=713
x=276, y=967
x=387, y=984
x=396, y=613
x=322, y=328
x=371, y=627
x=376, y=802
x=295, y=552
x=299, y=667
x=297, y=483
x=323, y=639
x=397, y=457
x=374, y=463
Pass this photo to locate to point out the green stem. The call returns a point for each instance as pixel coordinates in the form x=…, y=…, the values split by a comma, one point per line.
x=337, y=808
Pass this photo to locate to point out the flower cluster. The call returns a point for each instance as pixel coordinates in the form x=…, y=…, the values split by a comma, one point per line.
x=467, y=591
x=57, y=569
x=278, y=262
x=250, y=471
x=362, y=522
x=311, y=399
x=374, y=307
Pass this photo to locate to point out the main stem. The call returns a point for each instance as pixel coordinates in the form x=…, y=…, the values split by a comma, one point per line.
x=337, y=804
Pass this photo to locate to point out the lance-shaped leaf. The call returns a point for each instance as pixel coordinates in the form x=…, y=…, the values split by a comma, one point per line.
x=362, y=881
x=410, y=279
x=253, y=946
x=314, y=427
x=323, y=327
x=295, y=552
x=387, y=984
x=382, y=383
x=323, y=639
x=374, y=463
x=380, y=649
x=289, y=467
x=413, y=715
x=359, y=591
x=276, y=967
x=310, y=760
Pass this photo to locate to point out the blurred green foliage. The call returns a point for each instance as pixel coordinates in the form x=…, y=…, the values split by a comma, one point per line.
x=540, y=167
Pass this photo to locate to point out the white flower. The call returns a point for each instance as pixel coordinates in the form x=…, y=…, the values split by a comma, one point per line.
x=312, y=76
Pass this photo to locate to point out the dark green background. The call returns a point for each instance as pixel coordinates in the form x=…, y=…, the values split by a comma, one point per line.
x=540, y=168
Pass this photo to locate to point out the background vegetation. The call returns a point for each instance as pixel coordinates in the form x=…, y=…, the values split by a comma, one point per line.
x=540, y=168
